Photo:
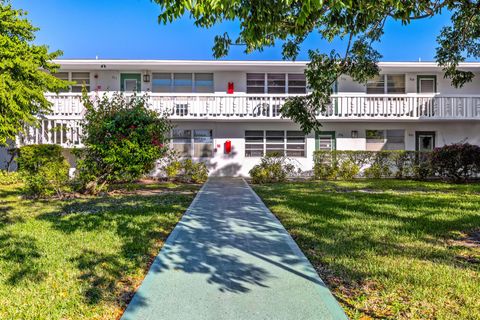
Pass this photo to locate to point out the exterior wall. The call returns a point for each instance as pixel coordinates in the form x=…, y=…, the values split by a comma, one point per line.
x=236, y=164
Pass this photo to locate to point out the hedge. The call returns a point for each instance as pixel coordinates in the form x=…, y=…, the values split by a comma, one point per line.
x=456, y=162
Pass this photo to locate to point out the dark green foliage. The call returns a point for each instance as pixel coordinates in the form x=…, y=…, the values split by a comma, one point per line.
x=360, y=24
x=456, y=162
x=24, y=73
x=347, y=165
x=44, y=170
x=123, y=139
x=185, y=170
x=272, y=168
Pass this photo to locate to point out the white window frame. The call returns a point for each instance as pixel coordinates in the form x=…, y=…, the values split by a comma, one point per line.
x=265, y=83
x=192, y=142
x=172, y=81
x=70, y=79
x=384, y=140
x=285, y=144
x=385, y=83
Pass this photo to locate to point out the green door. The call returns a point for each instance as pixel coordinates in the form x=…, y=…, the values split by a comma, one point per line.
x=325, y=141
x=130, y=82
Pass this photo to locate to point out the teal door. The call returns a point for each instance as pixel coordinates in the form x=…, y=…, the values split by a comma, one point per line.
x=325, y=141
x=130, y=82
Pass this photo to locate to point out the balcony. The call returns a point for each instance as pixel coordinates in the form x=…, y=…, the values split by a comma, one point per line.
x=62, y=125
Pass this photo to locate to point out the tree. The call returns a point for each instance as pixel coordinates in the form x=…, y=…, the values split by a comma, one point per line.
x=123, y=138
x=24, y=73
x=359, y=23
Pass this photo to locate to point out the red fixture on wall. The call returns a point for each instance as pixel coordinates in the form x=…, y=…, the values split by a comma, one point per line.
x=230, y=88
x=227, y=147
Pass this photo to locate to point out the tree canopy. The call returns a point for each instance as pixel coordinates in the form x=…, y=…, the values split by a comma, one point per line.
x=24, y=73
x=359, y=23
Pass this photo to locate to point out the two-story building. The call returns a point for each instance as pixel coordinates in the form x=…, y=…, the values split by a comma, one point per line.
x=410, y=106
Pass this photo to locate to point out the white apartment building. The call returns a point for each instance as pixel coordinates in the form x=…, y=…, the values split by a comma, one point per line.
x=410, y=106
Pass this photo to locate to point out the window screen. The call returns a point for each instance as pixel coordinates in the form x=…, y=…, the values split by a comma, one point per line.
x=161, y=82
x=204, y=82
x=276, y=83
x=254, y=143
x=81, y=79
x=395, y=83
x=255, y=83
x=295, y=146
x=376, y=85
x=182, y=142
x=182, y=82
x=297, y=83
x=202, y=143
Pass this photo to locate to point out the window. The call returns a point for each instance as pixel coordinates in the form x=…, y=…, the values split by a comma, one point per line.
x=275, y=143
x=259, y=143
x=81, y=79
x=203, y=143
x=193, y=143
x=161, y=82
x=386, y=83
x=204, y=82
x=130, y=85
x=276, y=83
x=395, y=83
x=395, y=140
x=295, y=144
x=297, y=83
x=182, y=82
x=385, y=140
x=255, y=83
x=254, y=143
x=182, y=142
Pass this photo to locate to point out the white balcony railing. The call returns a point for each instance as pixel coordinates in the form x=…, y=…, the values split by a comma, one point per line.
x=62, y=125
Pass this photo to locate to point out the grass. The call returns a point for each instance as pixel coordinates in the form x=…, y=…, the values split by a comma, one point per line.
x=81, y=258
x=388, y=249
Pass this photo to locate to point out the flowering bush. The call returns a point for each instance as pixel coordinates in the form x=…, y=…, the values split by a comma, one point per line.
x=456, y=162
x=123, y=138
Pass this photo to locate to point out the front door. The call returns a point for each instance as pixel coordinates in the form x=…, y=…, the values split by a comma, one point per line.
x=130, y=82
x=425, y=140
x=325, y=141
x=426, y=84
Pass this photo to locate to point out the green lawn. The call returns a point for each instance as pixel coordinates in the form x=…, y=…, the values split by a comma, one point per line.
x=388, y=249
x=81, y=258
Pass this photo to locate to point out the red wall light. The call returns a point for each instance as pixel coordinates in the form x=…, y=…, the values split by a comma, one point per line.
x=227, y=147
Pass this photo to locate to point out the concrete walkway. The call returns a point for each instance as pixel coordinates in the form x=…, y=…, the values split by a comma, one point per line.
x=230, y=258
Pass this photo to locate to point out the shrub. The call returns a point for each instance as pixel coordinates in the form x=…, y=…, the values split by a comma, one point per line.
x=371, y=164
x=185, y=170
x=380, y=167
x=123, y=139
x=8, y=178
x=44, y=169
x=272, y=168
x=348, y=170
x=193, y=172
x=456, y=162
x=325, y=165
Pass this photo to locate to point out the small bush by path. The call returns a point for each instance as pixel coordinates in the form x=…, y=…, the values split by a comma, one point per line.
x=388, y=249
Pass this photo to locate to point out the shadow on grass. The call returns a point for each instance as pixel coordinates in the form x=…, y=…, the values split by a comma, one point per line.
x=140, y=222
x=337, y=226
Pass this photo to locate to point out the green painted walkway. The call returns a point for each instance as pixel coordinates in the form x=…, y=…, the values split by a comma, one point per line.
x=230, y=258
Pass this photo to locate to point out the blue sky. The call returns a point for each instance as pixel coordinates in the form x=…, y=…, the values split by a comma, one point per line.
x=128, y=29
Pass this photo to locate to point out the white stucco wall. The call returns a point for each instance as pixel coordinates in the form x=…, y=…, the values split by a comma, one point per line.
x=238, y=165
